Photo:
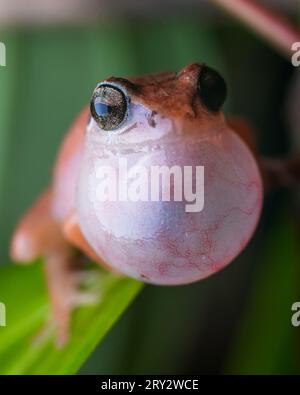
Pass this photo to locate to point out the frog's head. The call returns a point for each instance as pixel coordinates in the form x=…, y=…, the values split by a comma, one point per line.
x=152, y=106
x=166, y=122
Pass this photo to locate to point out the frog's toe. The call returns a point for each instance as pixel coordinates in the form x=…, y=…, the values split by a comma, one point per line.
x=88, y=279
x=83, y=298
x=70, y=286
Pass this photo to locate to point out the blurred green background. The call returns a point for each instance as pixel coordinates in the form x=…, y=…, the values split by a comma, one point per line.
x=238, y=321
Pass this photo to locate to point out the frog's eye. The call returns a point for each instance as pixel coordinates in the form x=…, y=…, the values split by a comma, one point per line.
x=109, y=106
x=211, y=88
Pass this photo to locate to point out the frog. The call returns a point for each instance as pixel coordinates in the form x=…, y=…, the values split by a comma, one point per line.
x=168, y=119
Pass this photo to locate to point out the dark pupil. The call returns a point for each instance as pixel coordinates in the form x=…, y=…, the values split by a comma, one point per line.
x=108, y=107
x=102, y=109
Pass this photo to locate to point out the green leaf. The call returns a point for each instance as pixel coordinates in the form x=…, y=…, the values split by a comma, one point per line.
x=23, y=350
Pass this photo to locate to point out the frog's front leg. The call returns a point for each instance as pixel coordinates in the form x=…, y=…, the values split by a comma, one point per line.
x=40, y=235
x=73, y=234
x=276, y=172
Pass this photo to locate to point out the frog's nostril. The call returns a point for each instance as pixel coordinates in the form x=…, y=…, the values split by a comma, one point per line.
x=152, y=119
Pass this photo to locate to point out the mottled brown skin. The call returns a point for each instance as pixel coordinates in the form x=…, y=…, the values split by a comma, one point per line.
x=173, y=95
x=42, y=233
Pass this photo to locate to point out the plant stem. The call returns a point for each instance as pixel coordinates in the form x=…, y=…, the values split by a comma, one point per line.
x=274, y=28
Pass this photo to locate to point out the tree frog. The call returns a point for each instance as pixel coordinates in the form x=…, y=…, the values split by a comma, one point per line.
x=169, y=121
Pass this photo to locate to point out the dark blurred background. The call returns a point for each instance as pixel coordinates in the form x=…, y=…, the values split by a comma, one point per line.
x=238, y=321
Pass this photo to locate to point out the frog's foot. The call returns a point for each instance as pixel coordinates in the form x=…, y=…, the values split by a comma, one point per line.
x=40, y=235
x=84, y=291
x=36, y=232
x=69, y=286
